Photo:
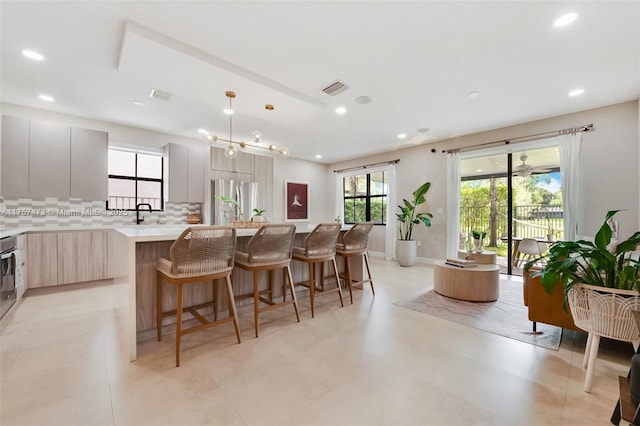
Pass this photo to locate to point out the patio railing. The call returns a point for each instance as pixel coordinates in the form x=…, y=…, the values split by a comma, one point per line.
x=530, y=221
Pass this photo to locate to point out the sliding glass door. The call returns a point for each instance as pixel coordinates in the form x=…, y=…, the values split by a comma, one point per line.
x=507, y=197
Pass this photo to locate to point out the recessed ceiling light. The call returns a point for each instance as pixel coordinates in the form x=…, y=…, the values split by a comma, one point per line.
x=473, y=94
x=203, y=132
x=363, y=99
x=46, y=98
x=423, y=130
x=139, y=103
x=478, y=170
x=565, y=20
x=402, y=135
x=228, y=111
x=576, y=92
x=318, y=156
x=33, y=55
x=341, y=110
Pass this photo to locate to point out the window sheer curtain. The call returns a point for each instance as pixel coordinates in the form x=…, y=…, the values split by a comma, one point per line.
x=453, y=203
x=390, y=228
x=569, y=146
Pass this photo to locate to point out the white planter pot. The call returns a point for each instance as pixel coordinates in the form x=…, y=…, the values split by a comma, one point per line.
x=257, y=218
x=406, y=252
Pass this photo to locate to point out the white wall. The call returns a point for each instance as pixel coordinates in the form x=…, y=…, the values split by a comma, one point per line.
x=609, y=161
x=321, y=201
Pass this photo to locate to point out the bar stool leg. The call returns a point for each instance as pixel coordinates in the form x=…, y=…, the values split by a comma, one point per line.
x=335, y=272
x=232, y=308
x=215, y=301
x=348, y=269
x=312, y=287
x=293, y=292
x=159, y=306
x=256, y=300
x=366, y=262
x=178, y=324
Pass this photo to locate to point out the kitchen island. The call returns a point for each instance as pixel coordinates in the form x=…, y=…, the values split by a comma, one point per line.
x=143, y=245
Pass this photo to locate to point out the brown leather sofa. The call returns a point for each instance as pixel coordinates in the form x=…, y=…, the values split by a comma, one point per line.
x=544, y=307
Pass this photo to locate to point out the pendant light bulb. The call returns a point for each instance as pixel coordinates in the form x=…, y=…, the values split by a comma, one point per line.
x=230, y=152
x=284, y=151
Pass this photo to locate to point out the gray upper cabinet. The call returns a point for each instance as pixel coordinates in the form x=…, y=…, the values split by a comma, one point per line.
x=49, y=160
x=53, y=160
x=178, y=170
x=15, y=156
x=186, y=173
x=88, y=164
x=197, y=162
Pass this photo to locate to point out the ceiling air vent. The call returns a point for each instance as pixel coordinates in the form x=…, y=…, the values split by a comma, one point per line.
x=335, y=88
x=160, y=94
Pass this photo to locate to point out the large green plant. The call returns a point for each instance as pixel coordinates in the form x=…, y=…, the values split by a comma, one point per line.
x=595, y=263
x=408, y=216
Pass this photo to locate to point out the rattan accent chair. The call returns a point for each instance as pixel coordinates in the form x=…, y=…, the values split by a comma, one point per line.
x=319, y=247
x=199, y=254
x=269, y=249
x=351, y=244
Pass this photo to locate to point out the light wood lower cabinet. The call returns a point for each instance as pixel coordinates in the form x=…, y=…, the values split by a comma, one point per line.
x=73, y=257
x=82, y=256
x=42, y=260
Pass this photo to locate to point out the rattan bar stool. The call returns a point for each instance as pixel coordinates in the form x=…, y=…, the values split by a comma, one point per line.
x=354, y=243
x=319, y=247
x=269, y=249
x=199, y=254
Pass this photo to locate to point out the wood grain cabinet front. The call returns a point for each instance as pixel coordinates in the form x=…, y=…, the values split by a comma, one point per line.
x=42, y=260
x=82, y=256
x=71, y=257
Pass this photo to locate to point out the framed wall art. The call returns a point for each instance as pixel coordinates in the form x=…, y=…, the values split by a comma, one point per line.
x=296, y=196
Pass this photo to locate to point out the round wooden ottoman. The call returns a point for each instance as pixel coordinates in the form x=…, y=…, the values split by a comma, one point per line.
x=479, y=284
x=484, y=258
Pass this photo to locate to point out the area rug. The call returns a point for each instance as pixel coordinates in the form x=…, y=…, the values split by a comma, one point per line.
x=507, y=316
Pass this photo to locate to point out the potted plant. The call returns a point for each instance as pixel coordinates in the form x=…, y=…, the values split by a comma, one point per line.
x=237, y=217
x=407, y=218
x=478, y=238
x=258, y=215
x=601, y=282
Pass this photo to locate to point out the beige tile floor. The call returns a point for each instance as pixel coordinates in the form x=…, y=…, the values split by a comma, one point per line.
x=64, y=361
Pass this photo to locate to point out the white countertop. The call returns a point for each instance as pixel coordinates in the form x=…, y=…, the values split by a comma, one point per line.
x=171, y=232
x=140, y=232
x=12, y=232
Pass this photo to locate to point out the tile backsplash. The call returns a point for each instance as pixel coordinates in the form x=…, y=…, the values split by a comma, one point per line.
x=43, y=212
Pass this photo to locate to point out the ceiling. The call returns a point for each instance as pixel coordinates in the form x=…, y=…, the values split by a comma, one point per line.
x=417, y=61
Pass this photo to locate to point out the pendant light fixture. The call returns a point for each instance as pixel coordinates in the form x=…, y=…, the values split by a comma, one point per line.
x=233, y=147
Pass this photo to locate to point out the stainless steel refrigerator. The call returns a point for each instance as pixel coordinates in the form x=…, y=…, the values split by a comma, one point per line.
x=244, y=193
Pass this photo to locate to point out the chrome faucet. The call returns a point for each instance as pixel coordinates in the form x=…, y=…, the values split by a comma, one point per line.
x=138, y=220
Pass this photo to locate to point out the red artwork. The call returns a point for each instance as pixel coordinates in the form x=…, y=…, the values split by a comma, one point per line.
x=297, y=196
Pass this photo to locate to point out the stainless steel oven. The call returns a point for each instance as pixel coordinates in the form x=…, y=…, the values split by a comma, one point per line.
x=8, y=248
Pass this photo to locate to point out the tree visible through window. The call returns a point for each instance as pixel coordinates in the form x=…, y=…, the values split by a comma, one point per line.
x=365, y=198
x=134, y=178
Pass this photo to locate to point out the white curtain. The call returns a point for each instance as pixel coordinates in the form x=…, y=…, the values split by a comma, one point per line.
x=569, y=149
x=390, y=228
x=453, y=203
x=390, y=235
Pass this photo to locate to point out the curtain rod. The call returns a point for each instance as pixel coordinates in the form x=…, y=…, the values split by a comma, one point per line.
x=397, y=160
x=585, y=128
